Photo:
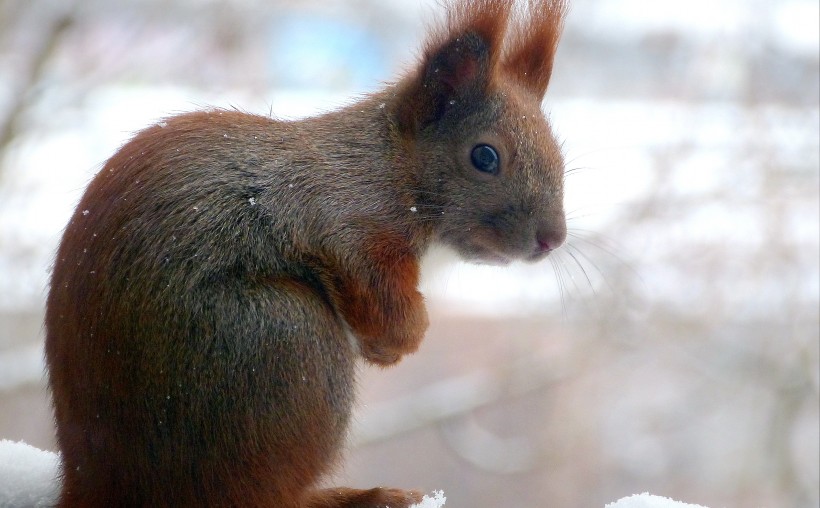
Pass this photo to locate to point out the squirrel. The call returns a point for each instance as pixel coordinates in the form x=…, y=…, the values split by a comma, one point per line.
x=224, y=272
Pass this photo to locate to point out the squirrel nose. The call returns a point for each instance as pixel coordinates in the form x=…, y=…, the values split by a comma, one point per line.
x=550, y=238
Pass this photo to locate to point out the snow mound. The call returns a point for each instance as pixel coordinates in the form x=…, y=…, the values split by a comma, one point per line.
x=437, y=501
x=649, y=501
x=27, y=476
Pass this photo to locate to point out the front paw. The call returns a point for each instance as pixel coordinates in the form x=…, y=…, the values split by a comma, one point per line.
x=396, y=336
x=379, y=355
x=388, y=348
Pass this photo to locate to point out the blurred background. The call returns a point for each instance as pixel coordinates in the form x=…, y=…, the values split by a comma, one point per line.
x=670, y=347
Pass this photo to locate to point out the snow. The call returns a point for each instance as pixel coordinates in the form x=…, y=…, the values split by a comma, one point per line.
x=27, y=479
x=437, y=501
x=27, y=476
x=649, y=501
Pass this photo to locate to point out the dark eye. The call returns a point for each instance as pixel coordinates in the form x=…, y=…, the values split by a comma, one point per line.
x=485, y=159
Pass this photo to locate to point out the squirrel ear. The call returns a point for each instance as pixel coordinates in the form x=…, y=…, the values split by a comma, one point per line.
x=531, y=51
x=459, y=61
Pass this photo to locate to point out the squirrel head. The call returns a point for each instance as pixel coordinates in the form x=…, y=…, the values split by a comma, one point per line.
x=490, y=171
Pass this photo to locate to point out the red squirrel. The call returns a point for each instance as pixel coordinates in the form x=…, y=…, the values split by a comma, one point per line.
x=224, y=272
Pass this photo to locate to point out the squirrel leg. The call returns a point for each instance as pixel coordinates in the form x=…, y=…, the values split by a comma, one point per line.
x=356, y=498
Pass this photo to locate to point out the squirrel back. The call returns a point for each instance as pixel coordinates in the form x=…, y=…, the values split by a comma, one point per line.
x=224, y=271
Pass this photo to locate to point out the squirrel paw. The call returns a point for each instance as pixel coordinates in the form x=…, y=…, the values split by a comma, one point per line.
x=387, y=346
x=378, y=355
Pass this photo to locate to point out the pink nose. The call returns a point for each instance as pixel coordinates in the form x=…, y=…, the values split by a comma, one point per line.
x=550, y=239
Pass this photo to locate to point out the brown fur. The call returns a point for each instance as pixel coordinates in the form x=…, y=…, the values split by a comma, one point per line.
x=206, y=288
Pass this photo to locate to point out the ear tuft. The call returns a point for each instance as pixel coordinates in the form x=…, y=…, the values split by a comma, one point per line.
x=531, y=50
x=460, y=58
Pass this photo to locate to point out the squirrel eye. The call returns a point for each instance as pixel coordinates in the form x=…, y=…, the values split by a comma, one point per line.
x=485, y=159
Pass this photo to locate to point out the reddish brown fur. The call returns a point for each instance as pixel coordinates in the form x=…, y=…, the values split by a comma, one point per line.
x=531, y=51
x=209, y=287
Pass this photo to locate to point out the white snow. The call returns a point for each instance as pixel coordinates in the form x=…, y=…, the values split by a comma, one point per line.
x=649, y=501
x=27, y=476
x=437, y=501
